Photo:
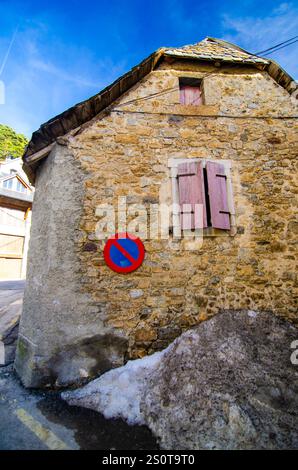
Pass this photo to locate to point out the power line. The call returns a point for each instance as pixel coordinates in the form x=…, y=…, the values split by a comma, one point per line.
x=277, y=45
x=282, y=47
x=144, y=98
x=215, y=71
x=215, y=116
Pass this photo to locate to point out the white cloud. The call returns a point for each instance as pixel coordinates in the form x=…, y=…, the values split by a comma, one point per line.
x=258, y=33
x=282, y=8
x=43, y=78
x=61, y=74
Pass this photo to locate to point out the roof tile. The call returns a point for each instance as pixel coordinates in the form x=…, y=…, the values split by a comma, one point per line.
x=211, y=49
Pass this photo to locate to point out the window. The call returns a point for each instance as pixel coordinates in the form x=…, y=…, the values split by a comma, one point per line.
x=190, y=91
x=15, y=185
x=20, y=187
x=202, y=185
x=8, y=183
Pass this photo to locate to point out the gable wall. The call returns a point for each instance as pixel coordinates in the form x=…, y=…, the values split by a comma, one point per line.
x=127, y=154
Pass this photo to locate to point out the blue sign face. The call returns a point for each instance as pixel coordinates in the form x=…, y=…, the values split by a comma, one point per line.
x=127, y=256
x=124, y=252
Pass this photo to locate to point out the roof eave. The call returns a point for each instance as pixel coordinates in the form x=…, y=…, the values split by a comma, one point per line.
x=202, y=58
x=88, y=109
x=281, y=76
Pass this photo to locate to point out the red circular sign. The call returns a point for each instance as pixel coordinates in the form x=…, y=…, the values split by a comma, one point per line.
x=124, y=252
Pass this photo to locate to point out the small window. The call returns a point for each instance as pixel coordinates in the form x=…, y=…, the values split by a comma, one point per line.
x=8, y=184
x=190, y=91
x=20, y=187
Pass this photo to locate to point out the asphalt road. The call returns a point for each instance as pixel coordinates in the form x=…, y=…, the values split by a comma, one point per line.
x=12, y=285
x=10, y=291
x=36, y=420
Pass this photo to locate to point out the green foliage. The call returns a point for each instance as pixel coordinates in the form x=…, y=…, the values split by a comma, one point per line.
x=11, y=143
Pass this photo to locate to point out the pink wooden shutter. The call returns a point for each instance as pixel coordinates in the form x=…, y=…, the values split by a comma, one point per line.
x=190, y=95
x=182, y=94
x=217, y=189
x=191, y=192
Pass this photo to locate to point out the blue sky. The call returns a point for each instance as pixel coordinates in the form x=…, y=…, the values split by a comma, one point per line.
x=65, y=51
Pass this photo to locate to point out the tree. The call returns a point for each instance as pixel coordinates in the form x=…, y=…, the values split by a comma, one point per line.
x=11, y=143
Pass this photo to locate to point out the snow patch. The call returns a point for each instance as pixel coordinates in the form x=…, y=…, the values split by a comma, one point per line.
x=252, y=313
x=2, y=353
x=118, y=392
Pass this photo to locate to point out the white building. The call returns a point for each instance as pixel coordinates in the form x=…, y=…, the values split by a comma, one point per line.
x=16, y=196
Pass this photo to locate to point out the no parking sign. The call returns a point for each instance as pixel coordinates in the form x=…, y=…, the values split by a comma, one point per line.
x=124, y=252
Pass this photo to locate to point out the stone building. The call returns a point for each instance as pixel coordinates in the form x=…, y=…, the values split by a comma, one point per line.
x=207, y=124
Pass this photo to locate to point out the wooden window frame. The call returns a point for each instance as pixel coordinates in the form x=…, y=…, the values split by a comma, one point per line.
x=195, y=83
x=209, y=231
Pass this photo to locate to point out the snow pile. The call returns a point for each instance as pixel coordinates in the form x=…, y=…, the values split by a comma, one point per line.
x=221, y=385
x=118, y=392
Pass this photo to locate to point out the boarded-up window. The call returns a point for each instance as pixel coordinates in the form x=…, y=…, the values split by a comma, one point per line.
x=190, y=91
x=206, y=190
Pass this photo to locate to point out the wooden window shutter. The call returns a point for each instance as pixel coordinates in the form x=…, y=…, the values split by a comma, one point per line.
x=191, y=192
x=190, y=95
x=218, y=199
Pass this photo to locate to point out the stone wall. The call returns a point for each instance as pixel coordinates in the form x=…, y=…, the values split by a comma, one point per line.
x=62, y=336
x=126, y=153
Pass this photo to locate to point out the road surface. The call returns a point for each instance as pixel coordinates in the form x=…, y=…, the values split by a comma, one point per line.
x=37, y=420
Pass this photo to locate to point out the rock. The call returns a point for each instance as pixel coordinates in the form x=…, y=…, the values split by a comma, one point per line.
x=169, y=332
x=226, y=384
x=145, y=181
x=9, y=327
x=293, y=226
x=126, y=139
x=136, y=293
x=89, y=246
x=229, y=383
x=144, y=333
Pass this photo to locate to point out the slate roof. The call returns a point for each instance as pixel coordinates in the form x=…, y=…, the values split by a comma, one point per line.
x=215, y=49
x=210, y=50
